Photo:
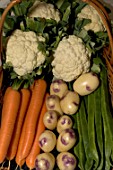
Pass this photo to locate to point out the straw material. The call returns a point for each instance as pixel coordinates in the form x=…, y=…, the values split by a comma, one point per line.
x=10, y=5
x=107, y=52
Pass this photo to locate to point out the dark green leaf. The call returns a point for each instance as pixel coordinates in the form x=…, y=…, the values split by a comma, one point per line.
x=22, y=8
x=36, y=25
x=79, y=7
x=80, y=23
x=95, y=68
x=42, y=47
x=64, y=6
x=66, y=14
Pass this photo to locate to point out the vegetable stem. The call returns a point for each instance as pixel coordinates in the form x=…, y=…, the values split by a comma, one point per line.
x=17, y=84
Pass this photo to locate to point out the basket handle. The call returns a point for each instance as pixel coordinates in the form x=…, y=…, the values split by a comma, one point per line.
x=100, y=5
x=9, y=6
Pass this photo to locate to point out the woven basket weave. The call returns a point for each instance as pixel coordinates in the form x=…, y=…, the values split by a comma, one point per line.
x=107, y=52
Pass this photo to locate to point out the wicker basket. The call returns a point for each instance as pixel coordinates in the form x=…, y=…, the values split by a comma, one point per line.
x=107, y=52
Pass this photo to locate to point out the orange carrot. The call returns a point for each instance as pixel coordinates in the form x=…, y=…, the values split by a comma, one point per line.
x=32, y=86
x=29, y=127
x=30, y=160
x=6, y=92
x=5, y=96
x=25, y=98
x=9, y=113
x=18, y=159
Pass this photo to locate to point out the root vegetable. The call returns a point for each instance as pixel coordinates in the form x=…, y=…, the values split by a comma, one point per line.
x=66, y=160
x=53, y=103
x=6, y=92
x=35, y=150
x=50, y=119
x=25, y=98
x=47, y=141
x=58, y=87
x=70, y=102
x=66, y=140
x=45, y=161
x=30, y=123
x=10, y=109
x=86, y=83
x=64, y=122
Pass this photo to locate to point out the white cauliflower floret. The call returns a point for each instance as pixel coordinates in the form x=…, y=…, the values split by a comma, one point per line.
x=22, y=52
x=71, y=59
x=90, y=12
x=44, y=10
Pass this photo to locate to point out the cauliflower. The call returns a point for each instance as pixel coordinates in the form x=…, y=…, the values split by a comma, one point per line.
x=96, y=24
x=22, y=52
x=44, y=10
x=71, y=59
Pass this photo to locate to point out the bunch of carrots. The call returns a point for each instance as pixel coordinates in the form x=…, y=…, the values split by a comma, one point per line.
x=22, y=123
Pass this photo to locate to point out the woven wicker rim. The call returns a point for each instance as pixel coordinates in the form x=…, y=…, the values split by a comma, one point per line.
x=107, y=52
x=9, y=6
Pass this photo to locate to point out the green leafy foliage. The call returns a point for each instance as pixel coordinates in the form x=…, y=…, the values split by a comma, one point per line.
x=91, y=127
x=53, y=31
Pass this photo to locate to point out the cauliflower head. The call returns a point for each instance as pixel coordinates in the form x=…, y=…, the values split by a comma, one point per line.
x=22, y=52
x=90, y=12
x=44, y=10
x=71, y=59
